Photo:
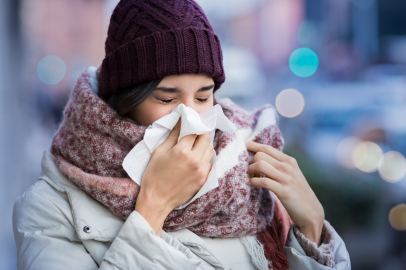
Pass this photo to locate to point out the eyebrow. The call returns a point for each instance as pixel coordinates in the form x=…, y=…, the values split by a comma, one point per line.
x=177, y=90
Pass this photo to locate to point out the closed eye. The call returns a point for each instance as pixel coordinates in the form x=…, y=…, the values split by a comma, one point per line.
x=170, y=100
x=166, y=100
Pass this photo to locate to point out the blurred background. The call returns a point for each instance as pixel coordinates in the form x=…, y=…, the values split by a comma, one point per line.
x=334, y=70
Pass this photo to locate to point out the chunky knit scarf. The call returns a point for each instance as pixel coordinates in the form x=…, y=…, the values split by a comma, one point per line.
x=93, y=140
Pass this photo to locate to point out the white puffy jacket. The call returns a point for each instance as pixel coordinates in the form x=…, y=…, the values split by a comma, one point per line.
x=59, y=226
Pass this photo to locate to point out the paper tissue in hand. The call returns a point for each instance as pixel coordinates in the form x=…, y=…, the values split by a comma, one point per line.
x=192, y=122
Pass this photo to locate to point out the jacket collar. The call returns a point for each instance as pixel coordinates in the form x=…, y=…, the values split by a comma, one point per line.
x=86, y=211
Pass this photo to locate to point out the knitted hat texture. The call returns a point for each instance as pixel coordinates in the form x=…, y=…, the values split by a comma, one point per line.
x=150, y=39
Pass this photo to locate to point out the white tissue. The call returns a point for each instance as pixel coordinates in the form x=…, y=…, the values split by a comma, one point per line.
x=192, y=122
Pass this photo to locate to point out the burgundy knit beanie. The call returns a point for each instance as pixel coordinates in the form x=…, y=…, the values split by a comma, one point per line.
x=150, y=39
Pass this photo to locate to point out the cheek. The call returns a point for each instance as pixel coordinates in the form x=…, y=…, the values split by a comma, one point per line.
x=158, y=111
x=149, y=113
x=205, y=106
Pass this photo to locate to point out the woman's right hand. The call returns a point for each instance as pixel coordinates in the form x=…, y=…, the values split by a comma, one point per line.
x=174, y=175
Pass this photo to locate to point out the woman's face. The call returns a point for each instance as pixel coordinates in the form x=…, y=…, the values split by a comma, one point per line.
x=193, y=90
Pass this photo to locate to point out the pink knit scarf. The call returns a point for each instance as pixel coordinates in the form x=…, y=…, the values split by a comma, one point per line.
x=93, y=140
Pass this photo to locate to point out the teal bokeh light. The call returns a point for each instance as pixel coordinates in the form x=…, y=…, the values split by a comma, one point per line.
x=303, y=62
x=51, y=69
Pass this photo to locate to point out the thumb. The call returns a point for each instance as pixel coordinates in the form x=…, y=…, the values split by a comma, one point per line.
x=172, y=139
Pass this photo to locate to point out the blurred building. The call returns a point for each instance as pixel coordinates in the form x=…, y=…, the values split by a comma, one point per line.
x=73, y=30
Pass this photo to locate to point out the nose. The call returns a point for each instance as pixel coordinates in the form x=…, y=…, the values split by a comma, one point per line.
x=189, y=102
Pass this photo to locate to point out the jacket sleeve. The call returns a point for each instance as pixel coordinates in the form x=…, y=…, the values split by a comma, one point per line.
x=304, y=254
x=46, y=239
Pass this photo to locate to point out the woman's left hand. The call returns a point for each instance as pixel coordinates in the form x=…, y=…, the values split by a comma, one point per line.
x=286, y=180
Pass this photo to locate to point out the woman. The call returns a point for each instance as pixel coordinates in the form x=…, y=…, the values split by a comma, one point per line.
x=85, y=212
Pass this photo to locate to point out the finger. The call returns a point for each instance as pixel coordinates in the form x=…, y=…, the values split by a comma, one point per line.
x=207, y=155
x=202, y=143
x=187, y=142
x=208, y=168
x=267, y=158
x=267, y=149
x=172, y=138
x=265, y=168
x=267, y=183
x=255, y=175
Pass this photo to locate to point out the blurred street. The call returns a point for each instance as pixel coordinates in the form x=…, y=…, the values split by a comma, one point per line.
x=334, y=70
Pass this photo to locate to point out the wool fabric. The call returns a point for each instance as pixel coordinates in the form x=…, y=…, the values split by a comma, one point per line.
x=92, y=141
x=150, y=39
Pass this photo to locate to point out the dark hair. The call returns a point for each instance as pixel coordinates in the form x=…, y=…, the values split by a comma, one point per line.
x=125, y=100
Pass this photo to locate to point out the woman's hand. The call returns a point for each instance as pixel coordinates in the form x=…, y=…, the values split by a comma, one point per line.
x=175, y=173
x=286, y=180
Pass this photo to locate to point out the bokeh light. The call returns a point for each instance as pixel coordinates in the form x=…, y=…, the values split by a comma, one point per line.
x=393, y=167
x=51, y=69
x=367, y=156
x=344, y=151
x=289, y=102
x=303, y=62
x=397, y=217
